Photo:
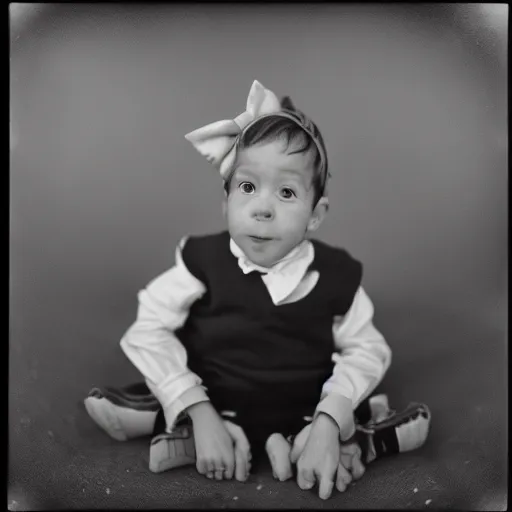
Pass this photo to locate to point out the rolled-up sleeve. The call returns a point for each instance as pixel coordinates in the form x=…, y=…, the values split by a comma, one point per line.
x=152, y=346
x=361, y=360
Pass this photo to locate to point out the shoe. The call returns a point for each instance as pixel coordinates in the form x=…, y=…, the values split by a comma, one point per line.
x=398, y=432
x=104, y=414
x=124, y=397
x=175, y=449
x=172, y=450
x=121, y=414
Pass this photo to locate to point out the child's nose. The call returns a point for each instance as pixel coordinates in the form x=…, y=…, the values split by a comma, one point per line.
x=263, y=211
x=262, y=214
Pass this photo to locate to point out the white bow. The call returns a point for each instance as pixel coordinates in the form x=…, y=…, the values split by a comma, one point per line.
x=216, y=141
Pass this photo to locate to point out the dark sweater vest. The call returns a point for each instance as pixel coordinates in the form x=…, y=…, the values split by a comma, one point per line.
x=250, y=352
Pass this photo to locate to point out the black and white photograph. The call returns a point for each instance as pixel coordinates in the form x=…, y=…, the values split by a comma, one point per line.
x=258, y=256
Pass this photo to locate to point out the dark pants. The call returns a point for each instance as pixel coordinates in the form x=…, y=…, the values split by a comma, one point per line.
x=259, y=424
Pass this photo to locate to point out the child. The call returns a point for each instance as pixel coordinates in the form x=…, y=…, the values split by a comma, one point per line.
x=260, y=337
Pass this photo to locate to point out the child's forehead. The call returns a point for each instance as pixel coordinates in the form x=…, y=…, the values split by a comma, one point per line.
x=275, y=156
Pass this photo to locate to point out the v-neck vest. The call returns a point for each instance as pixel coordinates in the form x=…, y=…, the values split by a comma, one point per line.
x=248, y=350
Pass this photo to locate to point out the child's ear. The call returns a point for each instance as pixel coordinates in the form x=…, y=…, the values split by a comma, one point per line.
x=319, y=213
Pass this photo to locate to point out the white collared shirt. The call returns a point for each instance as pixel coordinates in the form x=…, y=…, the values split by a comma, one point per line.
x=287, y=280
x=361, y=359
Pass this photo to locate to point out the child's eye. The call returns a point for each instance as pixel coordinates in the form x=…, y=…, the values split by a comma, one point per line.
x=246, y=187
x=287, y=193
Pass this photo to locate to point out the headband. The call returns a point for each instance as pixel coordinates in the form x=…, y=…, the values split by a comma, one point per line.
x=217, y=142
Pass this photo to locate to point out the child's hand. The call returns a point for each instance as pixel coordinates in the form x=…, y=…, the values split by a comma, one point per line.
x=350, y=466
x=320, y=455
x=242, y=451
x=214, y=445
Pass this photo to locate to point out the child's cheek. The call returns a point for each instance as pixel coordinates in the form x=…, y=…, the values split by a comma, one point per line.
x=237, y=203
x=297, y=209
x=237, y=200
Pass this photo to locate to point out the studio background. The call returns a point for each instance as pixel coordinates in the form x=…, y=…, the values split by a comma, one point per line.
x=412, y=103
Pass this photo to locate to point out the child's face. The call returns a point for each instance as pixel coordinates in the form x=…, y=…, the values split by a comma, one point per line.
x=270, y=203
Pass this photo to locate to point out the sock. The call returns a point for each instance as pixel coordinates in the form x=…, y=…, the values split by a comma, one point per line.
x=120, y=423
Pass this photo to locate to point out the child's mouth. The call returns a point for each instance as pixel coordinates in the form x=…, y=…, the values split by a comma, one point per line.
x=260, y=239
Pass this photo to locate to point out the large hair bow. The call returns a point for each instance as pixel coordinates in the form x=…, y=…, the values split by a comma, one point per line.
x=217, y=141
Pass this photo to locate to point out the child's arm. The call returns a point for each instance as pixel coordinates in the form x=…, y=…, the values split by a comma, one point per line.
x=361, y=363
x=359, y=367
x=152, y=346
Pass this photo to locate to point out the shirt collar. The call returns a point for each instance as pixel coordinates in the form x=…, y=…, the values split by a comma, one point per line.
x=284, y=276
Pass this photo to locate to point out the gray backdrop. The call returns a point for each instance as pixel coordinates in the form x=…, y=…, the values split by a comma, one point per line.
x=411, y=102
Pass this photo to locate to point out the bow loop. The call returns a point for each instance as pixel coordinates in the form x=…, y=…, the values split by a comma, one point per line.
x=215, y=140
x=261, y=101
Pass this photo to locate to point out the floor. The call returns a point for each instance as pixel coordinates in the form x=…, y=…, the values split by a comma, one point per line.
x=58, y=459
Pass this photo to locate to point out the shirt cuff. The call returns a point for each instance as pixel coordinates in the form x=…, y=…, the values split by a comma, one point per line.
x=341, y=410
x=175, y=410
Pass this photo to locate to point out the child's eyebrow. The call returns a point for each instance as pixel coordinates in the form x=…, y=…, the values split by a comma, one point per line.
x=293, y=172
x=244, y=171
x=298, y=175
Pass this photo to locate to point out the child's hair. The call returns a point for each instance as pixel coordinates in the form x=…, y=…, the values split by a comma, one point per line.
x=275, y=127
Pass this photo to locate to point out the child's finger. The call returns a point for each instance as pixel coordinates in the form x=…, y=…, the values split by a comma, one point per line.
x=305, y=478
x=248, y=469
x=210, y=469
x=229, y=469
x=346, y=460
x=201, y=467
x=325, y=487
x=299, y=443
x=238, y=436
x=358, y=468
x=240, y=465
x=343, y=478
x=242, y=450
x=227, y=464
x=248, y=464
x=350, y=459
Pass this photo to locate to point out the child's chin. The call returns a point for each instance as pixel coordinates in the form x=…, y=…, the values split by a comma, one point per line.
x=261, y=260
x=266, y=263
